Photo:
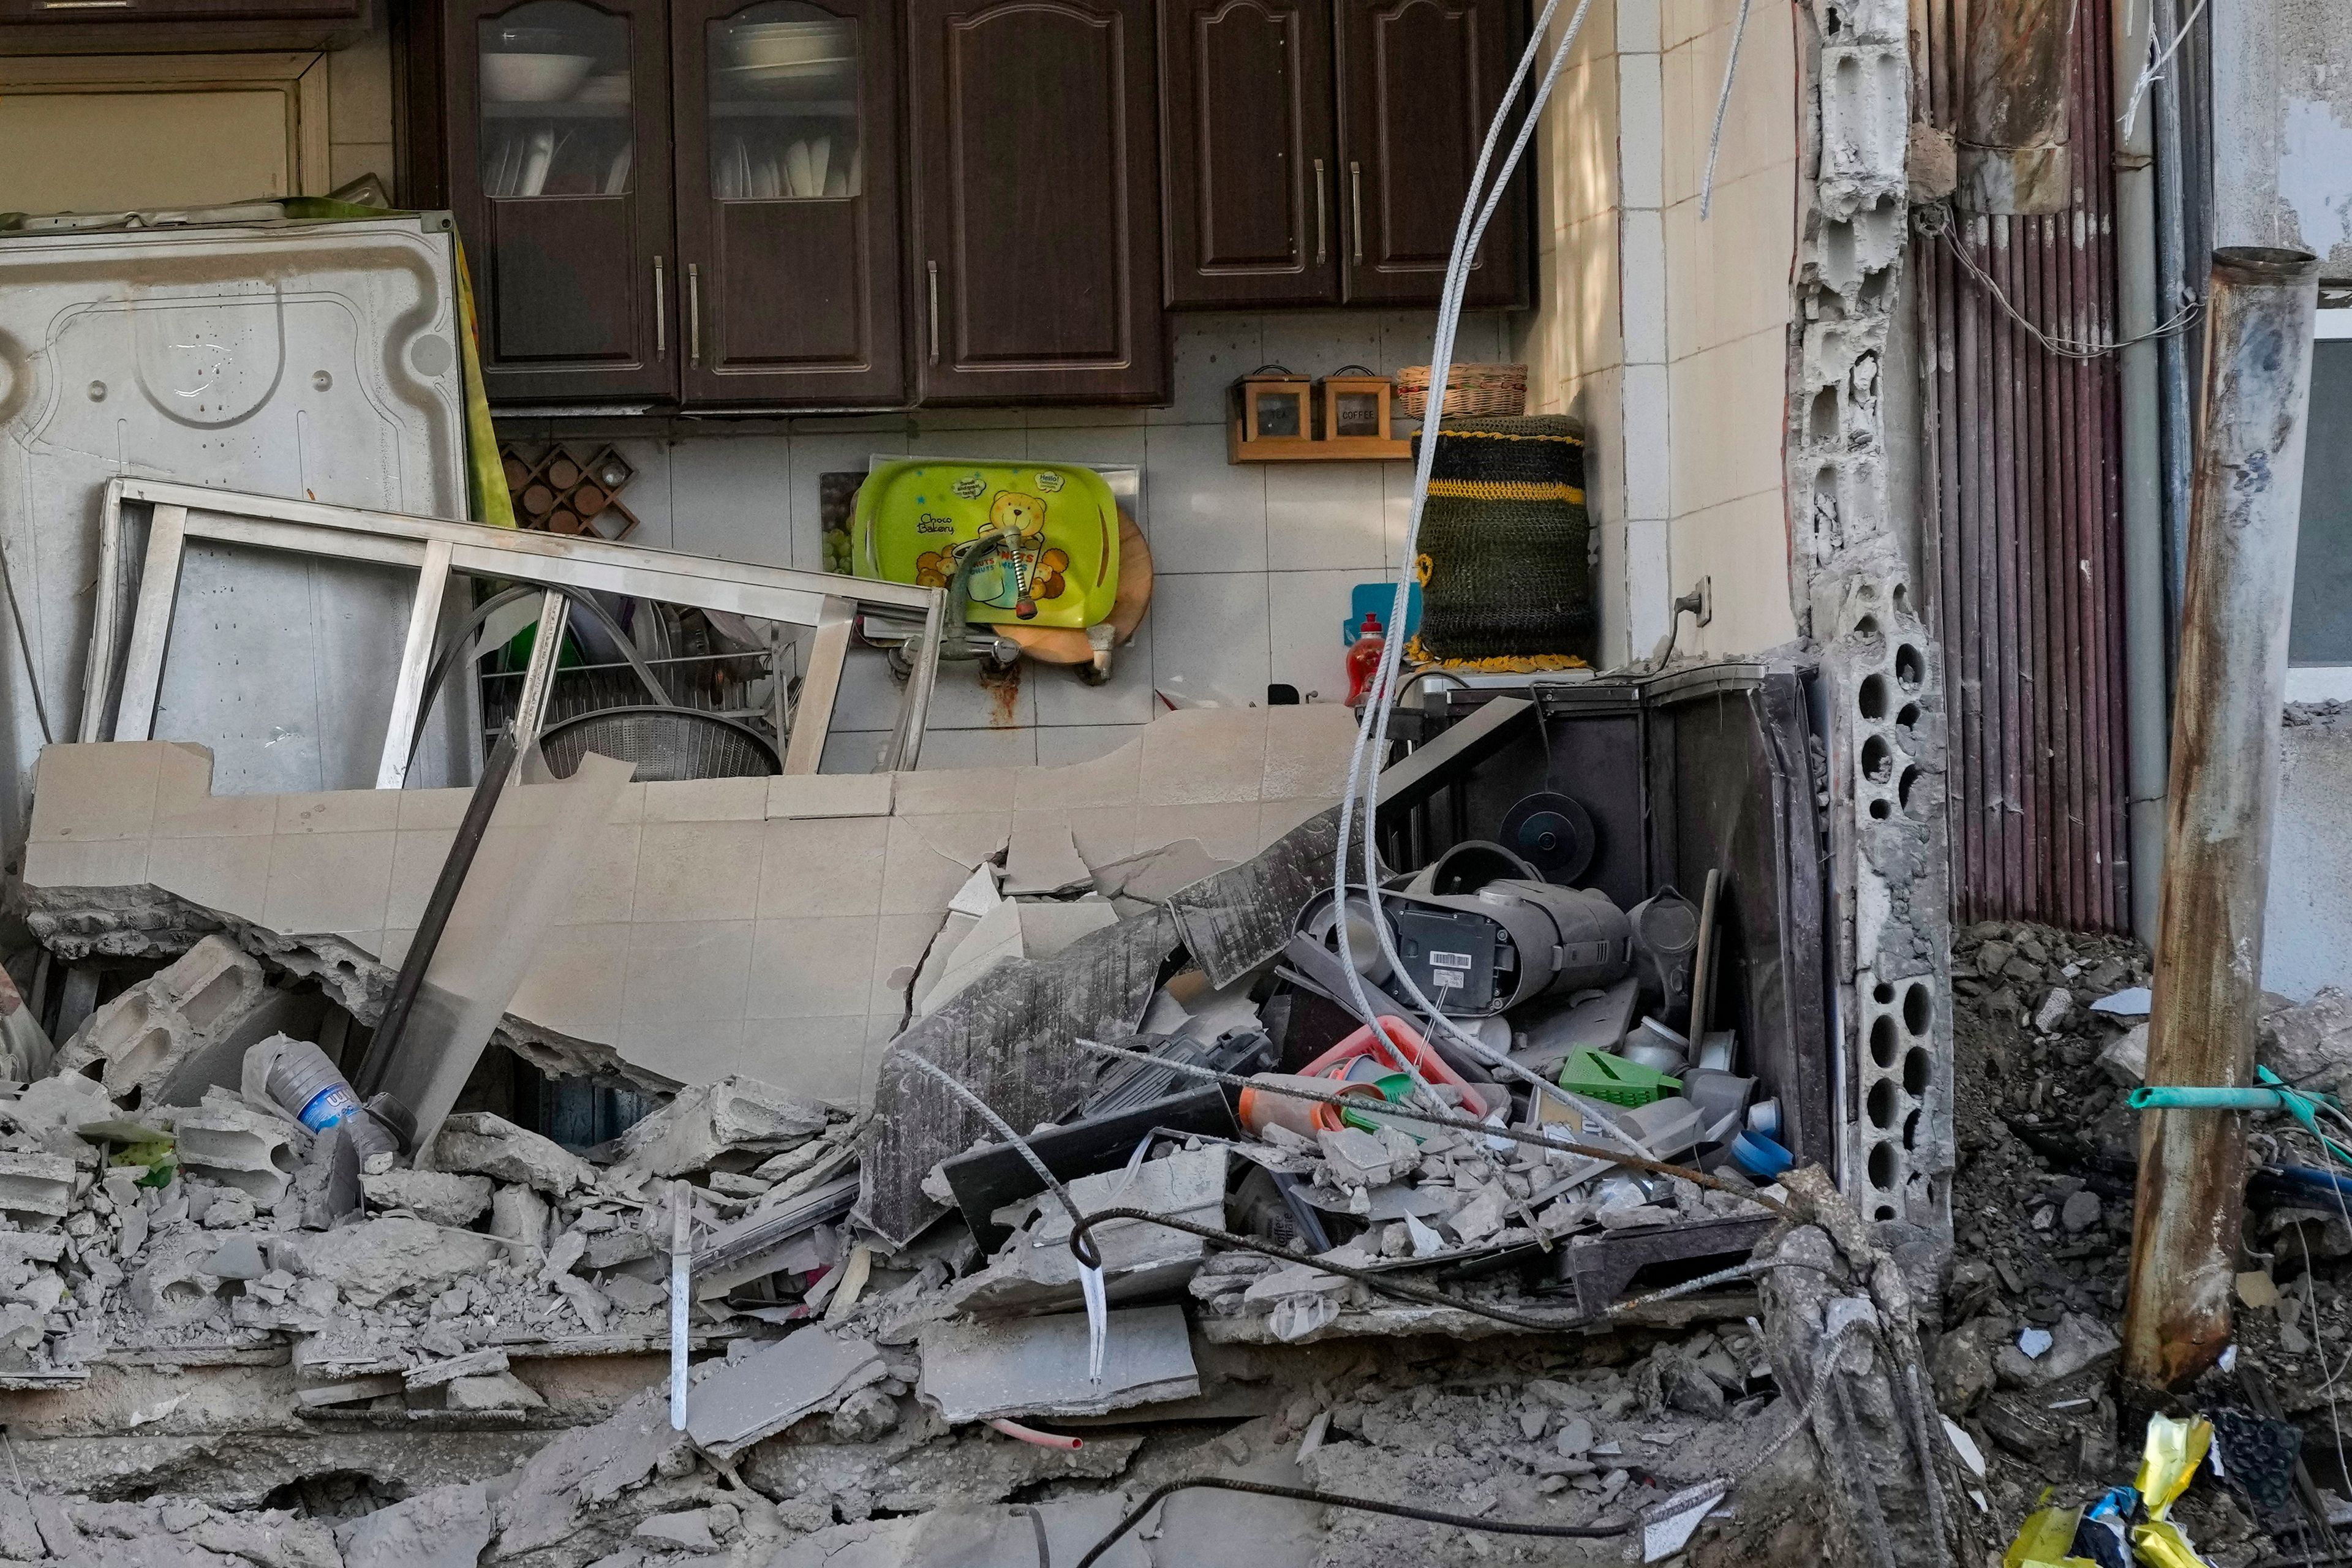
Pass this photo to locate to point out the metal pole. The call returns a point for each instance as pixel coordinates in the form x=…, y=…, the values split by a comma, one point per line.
x=681, y=1295
x=2173, y=287
x=2225, y=761
x=2146, y=715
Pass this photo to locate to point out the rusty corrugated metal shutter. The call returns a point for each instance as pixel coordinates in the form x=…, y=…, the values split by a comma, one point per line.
x=2022, y=545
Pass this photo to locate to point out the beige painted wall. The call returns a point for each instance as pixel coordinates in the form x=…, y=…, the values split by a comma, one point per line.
x=1728, y=306
x=1685, y=473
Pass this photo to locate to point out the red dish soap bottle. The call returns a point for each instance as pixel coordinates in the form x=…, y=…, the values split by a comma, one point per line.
x=1364, y=658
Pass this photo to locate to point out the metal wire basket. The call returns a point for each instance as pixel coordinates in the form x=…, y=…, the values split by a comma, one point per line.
x=666, y=743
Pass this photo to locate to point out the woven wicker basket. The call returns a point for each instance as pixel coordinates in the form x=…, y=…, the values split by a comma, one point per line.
x=1485, y=390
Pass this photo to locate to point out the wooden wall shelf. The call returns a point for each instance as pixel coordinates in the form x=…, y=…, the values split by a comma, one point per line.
x=1303, y=450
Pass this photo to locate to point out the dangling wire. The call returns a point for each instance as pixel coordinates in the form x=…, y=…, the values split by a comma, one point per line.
x=1478, y=209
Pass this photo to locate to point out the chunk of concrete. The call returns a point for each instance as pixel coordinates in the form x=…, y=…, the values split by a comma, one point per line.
x=238, y=1257
x=351, y=1391
x=448, y=1527
x=377, y=1259
x=474, y=1364
x=232, y=1145
x=744, y=1401
x=492, y=1391
x=36, y=1186
x=176, y=1284
x=517, y=1214
x=2125, y=1058
x=477, y=1142
x=1038, y=1366
x=735, y=1115
x=141, y=1037
x=1037, y=1272
x=2078, y=1344
x=686, y=1531
x=65, y=1102
x=444, y=1197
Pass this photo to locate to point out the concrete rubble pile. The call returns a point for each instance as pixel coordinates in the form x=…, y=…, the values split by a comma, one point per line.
x=1538, y=1267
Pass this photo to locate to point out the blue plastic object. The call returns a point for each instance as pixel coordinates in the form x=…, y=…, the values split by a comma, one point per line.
x=1761, y=1156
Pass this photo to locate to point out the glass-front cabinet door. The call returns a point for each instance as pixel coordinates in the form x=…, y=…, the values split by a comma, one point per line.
x=559, y=172
x=787, y=181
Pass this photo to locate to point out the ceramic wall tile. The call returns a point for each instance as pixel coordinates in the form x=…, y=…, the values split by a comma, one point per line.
x=230, y=874
x=1208, y=640
x=687, y=968
x=826, y=865
x=955, y=749
x=1063, y=699
x=81, y=793
x=327, y=881
x=1207, y=514
x=820, y=1059
x=1192, y=759
x=731, y=497
x=1309, y=610
x=707, y=800
x=575, y=981
x=929, y=858
x=1322, y=516
x=99, y=863
x=818, y=967
x=690, y=1049
x=1066, y=746
x=697, y=871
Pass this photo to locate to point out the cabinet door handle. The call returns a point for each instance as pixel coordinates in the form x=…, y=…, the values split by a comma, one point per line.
x=693, y=312
x=661, y=313
x=935, y=311
x=1322, y=216
x=1356, y=199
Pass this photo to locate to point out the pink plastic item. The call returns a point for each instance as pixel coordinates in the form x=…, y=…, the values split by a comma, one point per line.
x=1403, y=1045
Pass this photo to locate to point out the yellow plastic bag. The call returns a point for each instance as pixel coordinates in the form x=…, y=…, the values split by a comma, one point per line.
x=2046, y=1540
x=2167, y=1464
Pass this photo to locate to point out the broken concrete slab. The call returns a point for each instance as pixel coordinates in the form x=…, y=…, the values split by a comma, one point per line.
x=1037, y=1366
x=1238, y=919
x=474, y=1364
x=492, y=1391
x=1008, y=1039
x=737, y=1404
x=973, y=1536
x=441, y=1198
x=1036, y=1271
x=377, y=1259
x=723, y=873
x=448, y=1527
x=735, y=1115
x=585, y=1467
x=477, y=1142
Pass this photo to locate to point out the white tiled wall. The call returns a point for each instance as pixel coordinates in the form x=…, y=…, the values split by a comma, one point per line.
x=1253, y=562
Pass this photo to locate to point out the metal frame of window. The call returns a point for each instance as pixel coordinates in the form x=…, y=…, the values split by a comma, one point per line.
x=435, y=549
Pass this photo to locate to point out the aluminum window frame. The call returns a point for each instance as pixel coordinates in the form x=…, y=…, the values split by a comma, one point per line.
x=435, y=548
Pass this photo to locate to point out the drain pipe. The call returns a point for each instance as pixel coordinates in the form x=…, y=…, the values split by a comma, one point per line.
x=2173, y=291
x=2224, y=790
x=2146, y=714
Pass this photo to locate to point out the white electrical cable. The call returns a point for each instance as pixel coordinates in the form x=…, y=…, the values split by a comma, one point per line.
x=1371, y=735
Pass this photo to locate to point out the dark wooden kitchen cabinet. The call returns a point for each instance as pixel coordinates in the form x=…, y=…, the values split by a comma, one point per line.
x=788, y=201
x=558, y=170
x=1034, y=210
x=1318, y=152
x=1418, y=81
x=1249, y=147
